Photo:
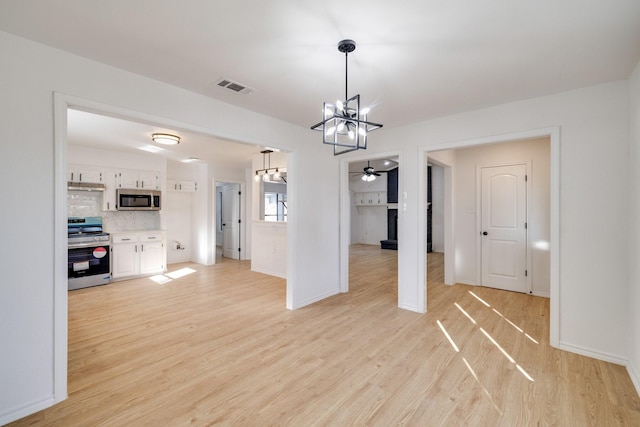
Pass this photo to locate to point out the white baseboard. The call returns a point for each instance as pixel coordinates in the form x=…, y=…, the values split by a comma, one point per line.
x=270, y=273
x=607, y=357
x=300, y=304
x=541, y=294
x=17, y=413
x=633, y=374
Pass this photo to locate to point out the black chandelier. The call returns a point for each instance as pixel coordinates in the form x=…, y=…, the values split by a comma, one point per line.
x=344, y=124
x=267, y=173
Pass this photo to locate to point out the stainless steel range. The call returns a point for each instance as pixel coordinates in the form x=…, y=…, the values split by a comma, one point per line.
x=88, y=255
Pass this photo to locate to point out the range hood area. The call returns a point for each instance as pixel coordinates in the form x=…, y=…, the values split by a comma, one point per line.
x=85, y=186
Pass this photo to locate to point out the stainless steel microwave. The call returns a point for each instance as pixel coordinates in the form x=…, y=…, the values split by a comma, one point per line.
x=137, y=200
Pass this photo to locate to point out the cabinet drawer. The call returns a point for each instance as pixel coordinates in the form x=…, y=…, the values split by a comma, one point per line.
x=151, y=237
x=124, y=238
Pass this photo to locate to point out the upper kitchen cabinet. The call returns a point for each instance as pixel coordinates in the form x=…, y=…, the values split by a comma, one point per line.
x=177, y=184
x=138, y=179
x=82, y=173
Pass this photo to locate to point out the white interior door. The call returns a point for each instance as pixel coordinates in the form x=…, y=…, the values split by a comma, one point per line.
x=504, y=232
x=230, y=221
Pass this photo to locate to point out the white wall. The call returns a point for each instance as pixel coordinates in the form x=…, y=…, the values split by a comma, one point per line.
x=368, y=223
x=634, y=232
x=465, y=214
x=594, y=136
x=33, y=300
x=269, y=249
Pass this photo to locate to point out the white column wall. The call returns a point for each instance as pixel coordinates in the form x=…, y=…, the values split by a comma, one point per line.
x=33, y=289
x=634, y=232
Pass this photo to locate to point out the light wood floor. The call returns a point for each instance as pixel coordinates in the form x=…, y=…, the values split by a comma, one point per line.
x=218, y=347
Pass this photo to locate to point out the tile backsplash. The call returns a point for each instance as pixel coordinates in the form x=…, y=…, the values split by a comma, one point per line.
x=130, y=220
x=89, y=203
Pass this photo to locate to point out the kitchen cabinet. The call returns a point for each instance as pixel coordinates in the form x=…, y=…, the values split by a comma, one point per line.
x=371, y=198
x=79, y=173
x=138, y=253
x=138, y=179
x=109, y=178
x=184, y=185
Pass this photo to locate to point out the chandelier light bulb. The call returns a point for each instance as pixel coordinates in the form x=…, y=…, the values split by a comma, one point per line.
x=351, y=134
x=365, y=111
x=276, y=175
x=331, y=130
x=340, y=126
x=339, y=105
x=257, y=177
x=265, y=177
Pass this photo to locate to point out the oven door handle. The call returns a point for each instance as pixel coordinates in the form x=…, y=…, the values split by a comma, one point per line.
x=87, y=245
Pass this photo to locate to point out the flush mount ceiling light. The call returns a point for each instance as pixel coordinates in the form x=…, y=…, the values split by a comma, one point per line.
x=165, y=139
x=344, y=125
x=267, y=173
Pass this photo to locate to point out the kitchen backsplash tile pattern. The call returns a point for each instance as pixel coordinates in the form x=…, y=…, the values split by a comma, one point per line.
x=89, y=203
x=84, y=203
x=130, y=221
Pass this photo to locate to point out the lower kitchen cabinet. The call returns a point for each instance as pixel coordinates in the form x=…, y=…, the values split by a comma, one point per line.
x=137, y=253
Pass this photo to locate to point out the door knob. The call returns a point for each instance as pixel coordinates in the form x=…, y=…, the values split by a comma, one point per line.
x=484, y=233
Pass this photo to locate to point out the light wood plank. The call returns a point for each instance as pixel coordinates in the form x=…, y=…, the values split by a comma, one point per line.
x=218, y=347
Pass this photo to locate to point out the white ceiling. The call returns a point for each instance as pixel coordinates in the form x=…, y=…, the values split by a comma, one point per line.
x=97, y=131
x=415, y=60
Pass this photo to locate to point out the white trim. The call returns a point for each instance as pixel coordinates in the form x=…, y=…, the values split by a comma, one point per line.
x=633, y=374
x=584, y=351
x=269, y=272
x=541, y=294
x=292, y=231
x=553, y=133
x=28, y=409
x=60, y=282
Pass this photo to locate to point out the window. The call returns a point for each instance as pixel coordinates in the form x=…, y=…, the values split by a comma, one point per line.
x=275, y=207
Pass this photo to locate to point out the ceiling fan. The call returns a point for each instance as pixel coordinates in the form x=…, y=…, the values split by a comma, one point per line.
x=368, y=173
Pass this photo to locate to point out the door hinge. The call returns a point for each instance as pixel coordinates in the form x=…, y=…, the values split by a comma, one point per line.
x=526, y=178
x=525, y=225
x=526, y=273
x=239, y=193
x=238, y=249
x=239, y=221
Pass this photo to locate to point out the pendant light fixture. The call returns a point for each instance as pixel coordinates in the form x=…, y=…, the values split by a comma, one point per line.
x=267, y=173
x=344, y=125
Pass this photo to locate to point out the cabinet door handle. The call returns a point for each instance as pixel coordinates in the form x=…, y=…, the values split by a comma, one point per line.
x=125, y=240
x=141, y=248
x=136, y=247
x=80, y=176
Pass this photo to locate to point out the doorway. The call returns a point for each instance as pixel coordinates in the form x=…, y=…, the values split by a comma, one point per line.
x=369, y=191
x=465, y=259
x=503, y=218
x=228, y=220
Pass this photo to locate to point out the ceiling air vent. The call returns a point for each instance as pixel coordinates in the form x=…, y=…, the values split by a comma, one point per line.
x=234, y=86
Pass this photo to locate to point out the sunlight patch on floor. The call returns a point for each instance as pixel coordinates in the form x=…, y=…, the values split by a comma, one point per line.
x=167, y=277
